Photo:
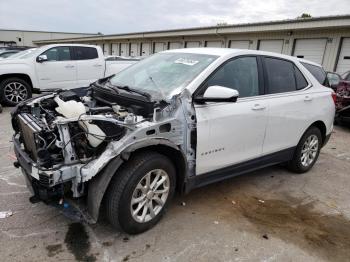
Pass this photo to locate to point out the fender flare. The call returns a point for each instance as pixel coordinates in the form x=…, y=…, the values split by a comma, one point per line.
x=98, y=185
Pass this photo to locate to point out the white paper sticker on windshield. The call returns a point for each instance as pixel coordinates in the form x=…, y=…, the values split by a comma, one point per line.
x=185, y=61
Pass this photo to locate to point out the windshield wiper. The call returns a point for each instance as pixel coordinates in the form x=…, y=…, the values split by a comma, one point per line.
x=130, y=90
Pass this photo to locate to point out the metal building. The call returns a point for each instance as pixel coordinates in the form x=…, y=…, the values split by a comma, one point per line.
x=26, y=38
x=325, y=40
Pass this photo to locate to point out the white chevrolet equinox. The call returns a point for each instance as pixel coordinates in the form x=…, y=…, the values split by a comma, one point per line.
x=175, y=121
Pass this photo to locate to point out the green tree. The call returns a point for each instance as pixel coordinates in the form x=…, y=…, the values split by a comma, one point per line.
x=304, y=15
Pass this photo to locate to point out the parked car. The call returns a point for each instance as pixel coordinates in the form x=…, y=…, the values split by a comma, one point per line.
x=53, y=67
x=5, y=54
x=21, y=53
x=175, y=121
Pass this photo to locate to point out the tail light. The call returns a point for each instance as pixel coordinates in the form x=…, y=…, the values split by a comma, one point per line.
x=334, y=97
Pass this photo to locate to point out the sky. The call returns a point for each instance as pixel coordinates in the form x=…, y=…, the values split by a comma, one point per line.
x=117, y=16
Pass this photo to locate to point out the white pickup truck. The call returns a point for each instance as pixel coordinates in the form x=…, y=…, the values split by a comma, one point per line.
x=53, y=67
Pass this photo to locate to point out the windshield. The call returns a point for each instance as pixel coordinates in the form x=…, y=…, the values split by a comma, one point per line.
x=161, y=74
x=22, y=53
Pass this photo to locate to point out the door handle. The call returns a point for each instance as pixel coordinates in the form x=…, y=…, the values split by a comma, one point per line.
x=307, y=98
x=69, y=66
x=258, y=107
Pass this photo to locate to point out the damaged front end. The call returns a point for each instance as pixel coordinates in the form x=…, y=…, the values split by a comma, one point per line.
x=66, y=142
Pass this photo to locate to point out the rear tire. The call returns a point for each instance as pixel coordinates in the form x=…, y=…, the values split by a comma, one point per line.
x=14, y=90
x=140, y=192
x=307, y=151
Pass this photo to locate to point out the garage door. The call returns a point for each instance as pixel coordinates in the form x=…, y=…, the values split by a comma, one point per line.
x=159, y=47
x=344, y=57
x=239, y=44
x=133, y=49
x=145, y=49
x=310, y=49
x=175, y=45
x=271, y=45
x=213, y=44
x=107, y=49
x=191, y=44
x=124, y=49
x=115, y=49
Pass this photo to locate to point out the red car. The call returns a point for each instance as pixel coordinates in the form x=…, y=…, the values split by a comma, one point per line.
x=341, y=86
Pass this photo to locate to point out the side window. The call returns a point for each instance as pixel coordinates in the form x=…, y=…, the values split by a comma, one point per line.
x=240, y=74
x=61, y=53
x=281, y=75
x=85, y=53
x=300, y=79
x=318, y=73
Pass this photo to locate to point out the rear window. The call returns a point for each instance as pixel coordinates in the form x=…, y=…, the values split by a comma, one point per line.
x=318, y=73
x=85, y=53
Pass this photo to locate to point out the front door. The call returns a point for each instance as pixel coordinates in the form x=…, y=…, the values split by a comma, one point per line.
x=231, y=133
x=59, y=71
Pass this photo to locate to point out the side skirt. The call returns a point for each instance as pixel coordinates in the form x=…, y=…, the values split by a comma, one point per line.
x=239, y=169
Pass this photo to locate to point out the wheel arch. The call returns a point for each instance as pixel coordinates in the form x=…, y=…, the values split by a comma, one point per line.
x=322, y=127
x=99, y=184
x=24, y=77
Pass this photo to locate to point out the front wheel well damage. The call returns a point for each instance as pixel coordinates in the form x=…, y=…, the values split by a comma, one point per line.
x=99, y=185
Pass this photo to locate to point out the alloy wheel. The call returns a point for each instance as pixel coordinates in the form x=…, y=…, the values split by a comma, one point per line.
x=15, y=92
x=150, y=195
x=309, y=150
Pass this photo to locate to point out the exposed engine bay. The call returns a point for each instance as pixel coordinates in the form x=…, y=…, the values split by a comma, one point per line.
x=64, y=139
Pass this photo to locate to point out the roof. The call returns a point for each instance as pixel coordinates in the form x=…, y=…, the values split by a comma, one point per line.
x=278, y=25
x=230, y=52
x=51, y=32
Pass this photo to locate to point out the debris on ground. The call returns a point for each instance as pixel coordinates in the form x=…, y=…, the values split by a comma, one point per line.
x=265, y=236
x=5, y=214
x=261, y=201
x=216, y=222
x=233, y=202
x=183, y=203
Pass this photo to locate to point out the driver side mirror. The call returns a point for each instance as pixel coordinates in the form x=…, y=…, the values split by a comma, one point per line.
x=41, y=58
x=218, y=94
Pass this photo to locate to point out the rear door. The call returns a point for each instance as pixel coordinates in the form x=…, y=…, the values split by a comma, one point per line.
x=90, y=66
x=290, y=104
x=231, y=133
x=59, y=71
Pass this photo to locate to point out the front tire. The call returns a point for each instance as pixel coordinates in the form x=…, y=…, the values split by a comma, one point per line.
x=14, y=90
x=140, y=192
x=307, y=151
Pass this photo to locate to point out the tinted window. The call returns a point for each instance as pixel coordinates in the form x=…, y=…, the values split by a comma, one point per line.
x=84, y=53
x=280, y=75
x=61, y=53
x=318, y=73
x=240, y=74
x=300, y=79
